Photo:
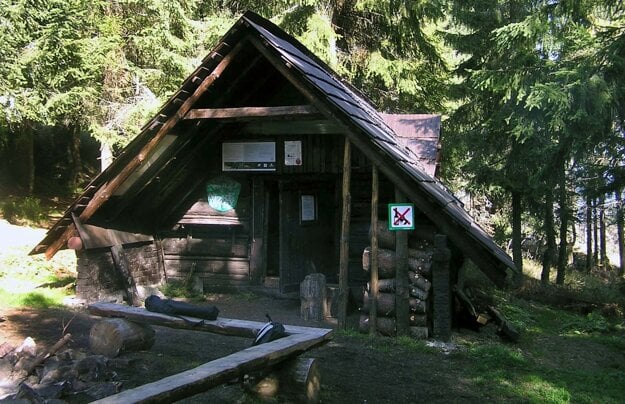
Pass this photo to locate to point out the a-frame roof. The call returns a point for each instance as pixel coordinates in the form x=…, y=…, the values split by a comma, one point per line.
x=250, y=48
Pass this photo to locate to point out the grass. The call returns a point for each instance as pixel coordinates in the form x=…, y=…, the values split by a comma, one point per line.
x=31, y=281
x=563, y=355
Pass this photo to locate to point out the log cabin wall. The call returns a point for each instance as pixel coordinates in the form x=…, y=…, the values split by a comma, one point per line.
x=232, y=249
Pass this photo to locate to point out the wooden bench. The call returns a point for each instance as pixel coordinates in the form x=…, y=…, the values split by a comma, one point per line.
x=257, y=358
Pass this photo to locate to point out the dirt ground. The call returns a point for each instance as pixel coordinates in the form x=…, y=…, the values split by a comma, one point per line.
x=351, y=371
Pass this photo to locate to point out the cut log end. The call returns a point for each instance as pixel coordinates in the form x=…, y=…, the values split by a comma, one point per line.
x=298, y=380
x=112, y=336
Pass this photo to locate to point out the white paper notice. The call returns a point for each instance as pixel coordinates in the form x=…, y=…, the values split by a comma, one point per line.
x=293, y=153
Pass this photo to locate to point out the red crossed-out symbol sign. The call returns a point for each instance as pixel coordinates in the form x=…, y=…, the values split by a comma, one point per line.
x=399, y=218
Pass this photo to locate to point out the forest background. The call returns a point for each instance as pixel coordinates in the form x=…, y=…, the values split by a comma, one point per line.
x=531, y=93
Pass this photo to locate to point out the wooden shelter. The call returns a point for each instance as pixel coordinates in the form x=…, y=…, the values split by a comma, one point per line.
x=257, y=172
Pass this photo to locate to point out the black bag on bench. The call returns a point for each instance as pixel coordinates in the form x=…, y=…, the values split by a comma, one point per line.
x=174, y=308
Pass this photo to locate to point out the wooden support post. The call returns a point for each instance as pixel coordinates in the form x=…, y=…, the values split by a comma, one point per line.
x=344, y=246
x=373, y=292
x=441, y=289
x=402, y=311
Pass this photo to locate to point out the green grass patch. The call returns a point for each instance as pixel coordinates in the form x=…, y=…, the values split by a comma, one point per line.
x=26, y=211
x=32, y=281
x=180, y=289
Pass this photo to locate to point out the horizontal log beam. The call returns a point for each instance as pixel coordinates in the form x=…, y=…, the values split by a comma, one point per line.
x=223, y=326
x=218, y=371
x=252, y=113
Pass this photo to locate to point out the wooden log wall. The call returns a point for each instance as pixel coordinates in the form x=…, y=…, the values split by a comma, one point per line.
x=218, y=255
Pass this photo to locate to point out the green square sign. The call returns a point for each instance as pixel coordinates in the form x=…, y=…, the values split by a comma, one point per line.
x=400, y=216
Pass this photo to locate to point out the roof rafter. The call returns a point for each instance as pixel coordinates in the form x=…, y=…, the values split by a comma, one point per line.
x=106, y=190
x=253, y=113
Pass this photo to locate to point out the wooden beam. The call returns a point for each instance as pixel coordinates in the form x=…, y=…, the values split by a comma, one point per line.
x=211, y=374
x=106, y=190
x=373, y=283
x=222, y=326
x=344, y=246
x=251, y=113
x=60, y=241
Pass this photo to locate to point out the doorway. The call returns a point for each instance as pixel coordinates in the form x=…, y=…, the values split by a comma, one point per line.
x=306, y=224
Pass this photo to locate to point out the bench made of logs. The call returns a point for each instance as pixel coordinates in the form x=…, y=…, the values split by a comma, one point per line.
x=262, y=357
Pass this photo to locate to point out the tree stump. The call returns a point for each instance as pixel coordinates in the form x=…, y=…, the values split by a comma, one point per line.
x=312, y=292
x=112, y=336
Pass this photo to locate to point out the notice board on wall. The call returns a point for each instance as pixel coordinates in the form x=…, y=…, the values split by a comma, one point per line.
x=249, y=156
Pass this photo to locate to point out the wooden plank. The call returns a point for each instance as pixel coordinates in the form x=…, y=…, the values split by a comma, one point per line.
x=207, y=246
x=252, y=113
x=210, y=264
x=216, y=372
x=344, y=243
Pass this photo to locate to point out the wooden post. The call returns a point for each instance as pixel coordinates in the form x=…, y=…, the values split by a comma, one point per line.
x=441, y=285
x=373, y=292
x=344, y=246
x=402, y=311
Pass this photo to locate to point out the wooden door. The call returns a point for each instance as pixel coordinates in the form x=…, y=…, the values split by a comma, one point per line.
x=307, y=245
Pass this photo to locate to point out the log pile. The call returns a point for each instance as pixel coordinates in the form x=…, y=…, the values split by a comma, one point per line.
x=420, y=286
x=32, y=374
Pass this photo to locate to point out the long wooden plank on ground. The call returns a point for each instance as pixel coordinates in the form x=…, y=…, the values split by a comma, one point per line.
x=223, y=326
x=216, y=372
x=213, y=373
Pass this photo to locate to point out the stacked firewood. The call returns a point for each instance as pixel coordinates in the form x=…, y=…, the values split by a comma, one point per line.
x=420, y=271
x=420, y=285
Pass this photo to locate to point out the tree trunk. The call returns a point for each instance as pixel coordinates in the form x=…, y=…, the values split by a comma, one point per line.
x=73, y=157
x=551, y=238
x=589, y=238
x=517, y=256
x=22, y=160
x=620, y=232
x=106, y=156
x=564, y=225
x=595, y=255
x=602, y=243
